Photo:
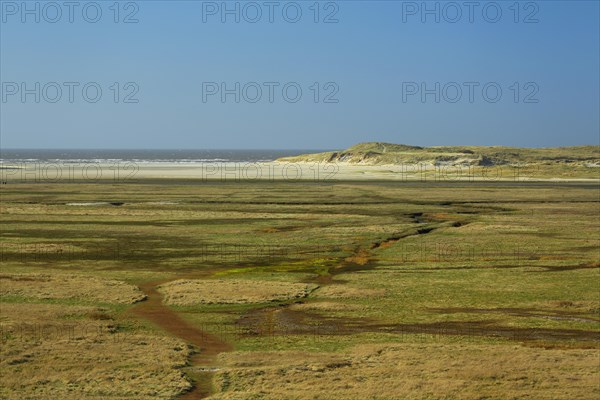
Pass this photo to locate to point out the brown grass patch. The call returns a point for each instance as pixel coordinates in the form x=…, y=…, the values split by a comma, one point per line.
x=66, y=286
x=231, y=291
x=361, y=257
x=323, y=306
x=345, y=291
x=411, y=371
x=52, y=351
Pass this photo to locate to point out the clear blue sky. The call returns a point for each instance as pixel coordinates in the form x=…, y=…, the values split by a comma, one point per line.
x=372, y=54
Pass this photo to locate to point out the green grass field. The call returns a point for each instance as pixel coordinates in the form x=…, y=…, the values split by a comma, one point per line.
x=418, y=290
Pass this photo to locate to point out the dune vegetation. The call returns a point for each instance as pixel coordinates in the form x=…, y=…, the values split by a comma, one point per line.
x=570, y=162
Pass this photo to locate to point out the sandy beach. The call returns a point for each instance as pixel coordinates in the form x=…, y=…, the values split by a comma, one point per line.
x=271, y=171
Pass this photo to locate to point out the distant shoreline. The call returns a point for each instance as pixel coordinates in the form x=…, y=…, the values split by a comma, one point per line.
x=305, y=171
x=364, y=161
x=144, y=156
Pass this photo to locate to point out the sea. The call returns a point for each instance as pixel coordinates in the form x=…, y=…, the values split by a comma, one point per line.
x=11, y=156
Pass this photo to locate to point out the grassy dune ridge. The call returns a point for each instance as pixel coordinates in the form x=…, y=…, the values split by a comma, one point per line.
x=560, y=161
x=377, y=153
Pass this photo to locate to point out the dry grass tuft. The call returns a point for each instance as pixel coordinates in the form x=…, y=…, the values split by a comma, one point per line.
x=231, y=291
x=67, y=286
x=346, y=292
x=323, y=306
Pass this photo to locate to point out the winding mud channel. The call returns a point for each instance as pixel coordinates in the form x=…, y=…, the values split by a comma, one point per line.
x=208, y=346
x=204, y=361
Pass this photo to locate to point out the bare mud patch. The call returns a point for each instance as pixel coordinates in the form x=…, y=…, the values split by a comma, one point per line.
x=281, y=321
x=88, y=203
x=523, y=312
